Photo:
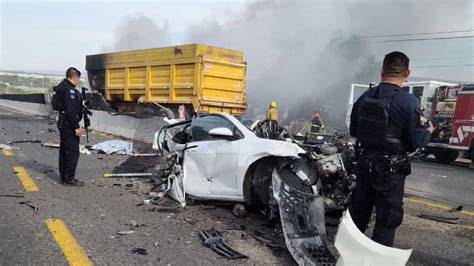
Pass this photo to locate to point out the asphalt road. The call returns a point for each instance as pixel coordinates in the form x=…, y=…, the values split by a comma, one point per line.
x=448, y=184
x=95, y=213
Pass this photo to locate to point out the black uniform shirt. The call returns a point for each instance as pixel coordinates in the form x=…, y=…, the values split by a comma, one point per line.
x=69, y=101
x=404, y=114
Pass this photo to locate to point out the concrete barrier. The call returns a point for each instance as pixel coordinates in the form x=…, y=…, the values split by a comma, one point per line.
x=30, y=97
x=27, y=107
x=141, y=129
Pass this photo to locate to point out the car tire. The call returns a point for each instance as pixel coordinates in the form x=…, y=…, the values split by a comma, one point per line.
x=292, y=180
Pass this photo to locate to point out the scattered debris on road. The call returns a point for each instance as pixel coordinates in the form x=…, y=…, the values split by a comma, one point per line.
x=125, y=232
x=134, y=223
x=144, y=154
x=51, y=145
x=213, y=239
x=85, y=149
x=140, y=251
x=234, y=226
x=24, y=141
x=12, y=196
x=28, y=203
x=355, y=248
x=456, y=209
x=441, y=218
x=239, y=210
x=8, y=147
x=128, y=174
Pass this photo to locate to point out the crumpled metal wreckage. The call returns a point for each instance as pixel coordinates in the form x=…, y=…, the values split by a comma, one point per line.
x=216, y=157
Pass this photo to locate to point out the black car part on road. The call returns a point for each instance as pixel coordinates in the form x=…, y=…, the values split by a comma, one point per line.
x=213, y=239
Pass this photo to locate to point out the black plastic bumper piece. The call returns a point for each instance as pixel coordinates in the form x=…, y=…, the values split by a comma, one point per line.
x=213, y=239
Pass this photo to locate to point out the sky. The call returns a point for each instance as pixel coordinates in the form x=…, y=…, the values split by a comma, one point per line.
x=50, y=36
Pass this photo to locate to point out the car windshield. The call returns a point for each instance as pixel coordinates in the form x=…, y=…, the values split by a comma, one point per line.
x=201, y=126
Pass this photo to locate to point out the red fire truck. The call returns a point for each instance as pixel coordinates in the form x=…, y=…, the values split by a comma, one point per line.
x=451, y=109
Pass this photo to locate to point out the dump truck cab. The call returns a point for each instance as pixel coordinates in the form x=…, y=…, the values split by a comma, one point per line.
x=205, y=79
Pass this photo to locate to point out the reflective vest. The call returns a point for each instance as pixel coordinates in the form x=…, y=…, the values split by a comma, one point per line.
x=316, y=126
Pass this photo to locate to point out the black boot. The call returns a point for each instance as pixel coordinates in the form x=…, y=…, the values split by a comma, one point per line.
x=74, y=182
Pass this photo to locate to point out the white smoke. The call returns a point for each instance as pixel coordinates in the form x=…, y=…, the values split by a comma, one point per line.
x=301, y=54
x=305, y=54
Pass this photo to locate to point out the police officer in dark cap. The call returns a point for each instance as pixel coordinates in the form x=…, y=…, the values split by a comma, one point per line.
x=386, y=122
x=69, y=107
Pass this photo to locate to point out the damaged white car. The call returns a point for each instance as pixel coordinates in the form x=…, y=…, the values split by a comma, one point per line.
x=225, y=160
x=216, y=157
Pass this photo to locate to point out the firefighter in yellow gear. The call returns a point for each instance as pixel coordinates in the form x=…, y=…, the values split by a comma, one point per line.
x=316, y=124
x=271, y=120
x=272, y=112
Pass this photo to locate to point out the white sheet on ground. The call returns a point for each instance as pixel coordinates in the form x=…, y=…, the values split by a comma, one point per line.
x=114, y=147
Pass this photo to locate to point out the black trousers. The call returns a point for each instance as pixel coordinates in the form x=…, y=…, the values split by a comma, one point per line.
x=68, y=152
x=376, y=187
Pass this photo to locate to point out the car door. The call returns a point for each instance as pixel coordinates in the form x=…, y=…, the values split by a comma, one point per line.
x=210, y=164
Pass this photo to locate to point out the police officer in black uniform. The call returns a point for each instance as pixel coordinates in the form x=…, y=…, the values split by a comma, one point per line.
x=69, y=105
x=386, y=122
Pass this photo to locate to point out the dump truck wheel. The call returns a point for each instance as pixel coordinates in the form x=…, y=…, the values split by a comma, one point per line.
x=445, y=155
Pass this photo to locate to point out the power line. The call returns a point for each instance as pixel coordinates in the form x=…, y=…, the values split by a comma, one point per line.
x=428, y=39
x=415, y=34
x=442, y=58
x=442, y=66
x=438, y=58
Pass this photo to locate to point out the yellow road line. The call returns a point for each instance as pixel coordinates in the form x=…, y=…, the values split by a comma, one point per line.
x=436, y=205
x=25, y=179
x=71, y=249
x=7, y=152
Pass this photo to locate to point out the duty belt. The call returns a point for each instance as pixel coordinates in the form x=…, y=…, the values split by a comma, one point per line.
x=390, y=163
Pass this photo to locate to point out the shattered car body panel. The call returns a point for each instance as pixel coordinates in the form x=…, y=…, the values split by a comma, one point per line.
x=357, y=249
x=302, y=218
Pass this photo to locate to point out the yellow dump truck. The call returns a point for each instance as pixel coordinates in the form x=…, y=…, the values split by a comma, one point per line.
x=204, y=78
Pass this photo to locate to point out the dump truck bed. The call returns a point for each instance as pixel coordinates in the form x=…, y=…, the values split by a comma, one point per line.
x=211, y=79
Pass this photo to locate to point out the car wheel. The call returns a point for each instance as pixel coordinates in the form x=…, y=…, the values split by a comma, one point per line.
x=292, y=180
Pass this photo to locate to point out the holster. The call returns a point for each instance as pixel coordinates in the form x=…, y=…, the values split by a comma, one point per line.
x=61, y=120
x=401, y=163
